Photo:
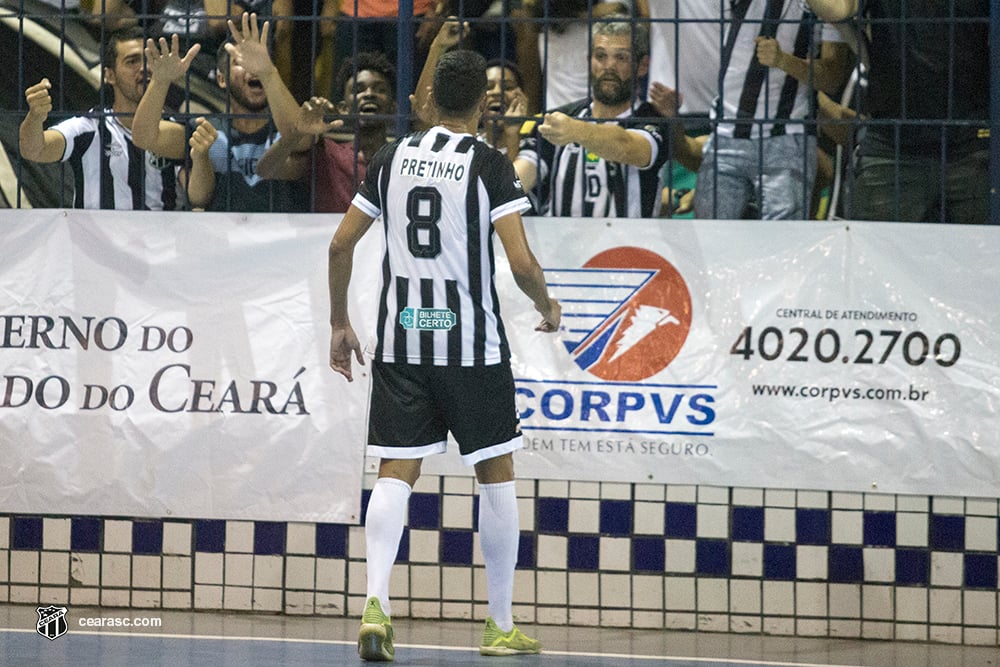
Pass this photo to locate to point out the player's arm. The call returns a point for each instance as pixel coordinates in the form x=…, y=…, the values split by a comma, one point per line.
x=343, y=340
x=527, y=271
x=607, y=140
x=36, y=143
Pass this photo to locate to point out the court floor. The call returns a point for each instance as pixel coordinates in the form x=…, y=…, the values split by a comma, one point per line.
x=252, y=640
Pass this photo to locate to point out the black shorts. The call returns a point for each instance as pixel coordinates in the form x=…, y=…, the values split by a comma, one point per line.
x=414, y=407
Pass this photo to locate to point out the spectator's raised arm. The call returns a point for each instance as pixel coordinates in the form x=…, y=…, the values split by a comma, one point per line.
x=450, y=34
x=609, y=141
x=826, y=73
x=149, y=131
x=286, y=160
x=36, y=143
x=686, y=150
x=249, y=50
x=201, y=179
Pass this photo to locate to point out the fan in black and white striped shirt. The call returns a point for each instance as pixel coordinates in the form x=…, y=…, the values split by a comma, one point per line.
x=600, y=157
x=764, y=145
x=109, y=171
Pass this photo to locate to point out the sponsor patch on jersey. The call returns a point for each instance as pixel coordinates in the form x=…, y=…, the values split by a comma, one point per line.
x=428, y=319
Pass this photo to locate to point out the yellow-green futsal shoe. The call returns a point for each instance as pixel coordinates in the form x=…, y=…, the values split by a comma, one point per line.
x=375, y=636
x=514, y=642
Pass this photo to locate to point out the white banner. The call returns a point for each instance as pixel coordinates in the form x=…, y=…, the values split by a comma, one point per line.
x=176, y=365
x=165, y=365
x=808, y=355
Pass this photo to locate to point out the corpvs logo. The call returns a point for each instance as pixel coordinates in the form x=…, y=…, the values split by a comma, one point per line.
x=630, y=313
x=627, y=313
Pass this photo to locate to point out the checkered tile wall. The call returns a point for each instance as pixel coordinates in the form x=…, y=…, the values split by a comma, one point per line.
x=715, y=559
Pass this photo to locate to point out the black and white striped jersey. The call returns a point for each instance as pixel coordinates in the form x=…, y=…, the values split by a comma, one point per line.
x=438, y=194
x=574, y=182
x=751, y=90
x=110, y=172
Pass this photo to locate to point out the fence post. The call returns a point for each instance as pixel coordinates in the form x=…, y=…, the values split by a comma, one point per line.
x=404, y=66
x=994, y=114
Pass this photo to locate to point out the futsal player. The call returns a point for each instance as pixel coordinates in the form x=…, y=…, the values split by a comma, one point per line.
x=441, y=360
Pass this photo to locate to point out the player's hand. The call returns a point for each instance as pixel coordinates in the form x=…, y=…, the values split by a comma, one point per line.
x=165, y=62
x=551, y=316
x=202, y=139
x=39, y=100
x=343, y=342
x=769, y=52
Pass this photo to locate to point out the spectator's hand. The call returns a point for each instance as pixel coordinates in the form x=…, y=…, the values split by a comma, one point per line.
x=202, y=139
x=685, y=204
x=165, y=63
x=39, y=100
x=665, y=100
x=517, y=110
x=426, y=111
x=310, y=120
x=249, y=47
x=517, y=104
x=344, y=342
x=558, y=128
x=769, y=52
x=451, y=33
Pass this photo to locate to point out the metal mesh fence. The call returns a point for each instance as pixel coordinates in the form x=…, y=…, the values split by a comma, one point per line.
x=892, y=106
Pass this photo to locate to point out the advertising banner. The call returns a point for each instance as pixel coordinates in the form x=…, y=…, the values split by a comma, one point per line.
x=177, y=365
x=806, y=355
x=162, y=365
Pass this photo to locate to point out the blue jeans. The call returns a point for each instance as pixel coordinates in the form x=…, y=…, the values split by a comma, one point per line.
x=779, y=171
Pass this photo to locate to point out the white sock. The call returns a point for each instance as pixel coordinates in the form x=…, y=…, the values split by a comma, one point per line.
x=499, y=534
x=383, y=531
